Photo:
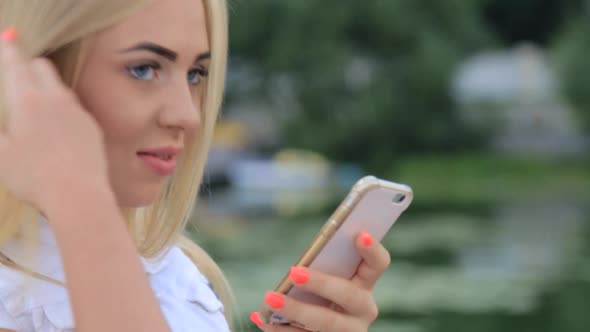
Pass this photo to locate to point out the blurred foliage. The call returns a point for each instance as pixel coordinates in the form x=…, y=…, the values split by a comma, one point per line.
x=572, y=45
x=396, y=101
x=563, y=27
x=369, y=80
x=531, y=20
x=476, y=180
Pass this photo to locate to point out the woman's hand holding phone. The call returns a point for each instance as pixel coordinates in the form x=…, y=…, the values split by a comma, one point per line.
x=330, y=287
x=355, y=308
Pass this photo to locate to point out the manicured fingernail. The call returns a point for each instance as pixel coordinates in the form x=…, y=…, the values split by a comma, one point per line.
x=298, y=275
x=366, y=238
x=9, y=34
x=274, y=300
x=255, y=318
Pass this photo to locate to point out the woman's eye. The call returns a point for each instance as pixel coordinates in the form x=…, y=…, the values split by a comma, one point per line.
x=194, y=76
x=144, y=72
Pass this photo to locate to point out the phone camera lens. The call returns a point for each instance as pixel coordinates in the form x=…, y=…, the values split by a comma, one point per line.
x=399, y=198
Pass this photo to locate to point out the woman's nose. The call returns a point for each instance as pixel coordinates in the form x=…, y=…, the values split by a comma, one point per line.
x=183, y=110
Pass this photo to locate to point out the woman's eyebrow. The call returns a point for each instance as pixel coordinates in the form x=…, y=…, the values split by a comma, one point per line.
x=203, y=56
x=162, y=51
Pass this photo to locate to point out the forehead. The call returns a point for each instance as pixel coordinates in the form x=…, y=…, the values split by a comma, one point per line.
x=177, y=24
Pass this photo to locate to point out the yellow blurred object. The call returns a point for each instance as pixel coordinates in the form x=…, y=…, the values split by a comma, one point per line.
x=230, y=134
x=300, y=156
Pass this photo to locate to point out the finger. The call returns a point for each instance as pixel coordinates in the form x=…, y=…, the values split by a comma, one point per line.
x=376, y=260
x=46, y=75
x=16, y=70
x=313, y=317
x=257, y=320
x=344, y=293
x=17, y=74
x=282, y=328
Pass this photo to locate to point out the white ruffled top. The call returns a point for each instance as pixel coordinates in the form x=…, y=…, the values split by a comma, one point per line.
x=185, y=296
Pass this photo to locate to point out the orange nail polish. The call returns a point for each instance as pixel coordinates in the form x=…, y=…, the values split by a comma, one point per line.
x=366, y=238
x=9, y=34
x=274, y=300
x=255, y=318
x=298, y=275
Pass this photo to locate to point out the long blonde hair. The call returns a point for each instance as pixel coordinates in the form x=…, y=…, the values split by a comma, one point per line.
x=58, y=29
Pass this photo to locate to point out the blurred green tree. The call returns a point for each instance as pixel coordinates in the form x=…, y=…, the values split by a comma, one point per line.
x=560, y=25
x=570, y=48
x=371, y=78
x=528, y=20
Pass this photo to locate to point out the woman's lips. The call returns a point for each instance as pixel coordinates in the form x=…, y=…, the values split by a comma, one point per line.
x=163, y=167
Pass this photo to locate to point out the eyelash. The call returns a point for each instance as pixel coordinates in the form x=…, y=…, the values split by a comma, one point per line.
x=201, y=72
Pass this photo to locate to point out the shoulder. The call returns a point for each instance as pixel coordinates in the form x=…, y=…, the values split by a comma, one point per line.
x=7, y=321
x=177, y=276
x=30, y=304
x=184, y=293
x=23, y=296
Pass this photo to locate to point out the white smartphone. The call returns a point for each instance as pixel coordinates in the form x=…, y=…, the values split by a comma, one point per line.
x=372, y=205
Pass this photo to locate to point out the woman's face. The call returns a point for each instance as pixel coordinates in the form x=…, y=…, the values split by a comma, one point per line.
x=142, y=81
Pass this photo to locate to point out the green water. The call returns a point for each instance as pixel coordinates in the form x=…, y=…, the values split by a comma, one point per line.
x=509, y=263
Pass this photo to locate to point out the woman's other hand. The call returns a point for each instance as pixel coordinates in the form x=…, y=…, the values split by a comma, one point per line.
x=50, y=142
x=356, y=308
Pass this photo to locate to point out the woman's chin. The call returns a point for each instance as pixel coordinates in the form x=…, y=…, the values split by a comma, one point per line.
x=142, y=196
x=140, y=203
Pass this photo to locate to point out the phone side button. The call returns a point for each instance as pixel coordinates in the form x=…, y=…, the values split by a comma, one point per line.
x=331, y=227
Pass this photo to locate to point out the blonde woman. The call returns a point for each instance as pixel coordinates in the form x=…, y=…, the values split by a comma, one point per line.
x=107, y=109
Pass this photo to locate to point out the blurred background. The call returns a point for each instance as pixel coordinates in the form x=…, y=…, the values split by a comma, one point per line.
x=481, y=106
